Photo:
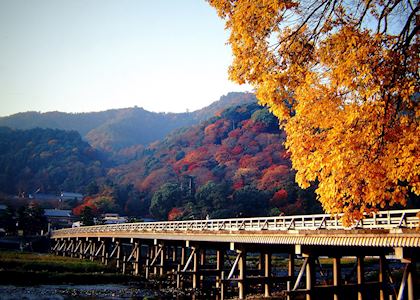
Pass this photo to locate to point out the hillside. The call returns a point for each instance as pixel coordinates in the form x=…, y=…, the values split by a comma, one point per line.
x=116, y=129
x=233, y=164
x=47, y=160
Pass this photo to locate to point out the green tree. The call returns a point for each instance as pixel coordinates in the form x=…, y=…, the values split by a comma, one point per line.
x=87, y=216
x=211, y=197
x=31, y=219
x=8, y=220
x=92, y=188
x=164, y=199
x=251, y=202
x=263, y=116
x=107, y=205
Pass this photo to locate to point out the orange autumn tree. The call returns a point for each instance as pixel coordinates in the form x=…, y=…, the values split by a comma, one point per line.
x=342, y=77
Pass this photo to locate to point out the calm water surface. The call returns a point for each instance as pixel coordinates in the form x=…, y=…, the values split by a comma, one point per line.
x=105, y=291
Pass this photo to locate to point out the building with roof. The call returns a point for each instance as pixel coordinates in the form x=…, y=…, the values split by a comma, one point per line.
x=71, y=196
x=59, y=218
x=112, y=218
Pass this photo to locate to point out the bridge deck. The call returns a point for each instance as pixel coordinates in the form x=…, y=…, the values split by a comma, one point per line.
x=382, y=229
x=178, y=250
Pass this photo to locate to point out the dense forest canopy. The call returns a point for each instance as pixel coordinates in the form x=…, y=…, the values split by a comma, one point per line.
x=233, y=164
x=208, y=169
x=46, y=160
x=342, y=76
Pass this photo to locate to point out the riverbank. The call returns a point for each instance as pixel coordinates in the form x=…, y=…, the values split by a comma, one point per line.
x=70, y=292
x=25, y=268
x=28, y=275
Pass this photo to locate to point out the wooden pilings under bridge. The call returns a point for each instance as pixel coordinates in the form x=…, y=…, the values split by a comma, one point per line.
x=322, y=263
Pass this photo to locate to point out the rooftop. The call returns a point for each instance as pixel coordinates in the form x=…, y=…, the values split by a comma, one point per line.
x=57, y=212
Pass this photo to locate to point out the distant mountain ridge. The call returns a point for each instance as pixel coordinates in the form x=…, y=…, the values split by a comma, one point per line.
x=232, y=164
x=50, y=160
x=115, y=129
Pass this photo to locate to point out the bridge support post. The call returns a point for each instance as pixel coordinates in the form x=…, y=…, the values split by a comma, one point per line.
x=290, y=273
x=222, y=285
x=410, y=281
x=85, y=248
x=155, y=253
x=64, y=248
x=151, y=252
x=219, y=266
x=174, y=254
x=382, y=262
x=103, y=253
x=147, y=269
x=82, y=249
x=202, y=263
x=360, y=277
x=118, y=254
x=124, y=264
x=54, y=248
x=156, y=259
x=162, y=259
x=183, y=255
x=178, y=276
x=260, y=265
x=337, y=277
x=174, y=264
x=167, y=253
x=59, y=246
x=407, y=287
x=179, y=282
x=76, y=250
x=195, y=269
x=310, y=277
x=71, y=248
x=267, y=274
x=92, y=250
x=136, y=256
x=242, y=274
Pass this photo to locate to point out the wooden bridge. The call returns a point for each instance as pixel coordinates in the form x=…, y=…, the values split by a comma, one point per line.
x=240, y=253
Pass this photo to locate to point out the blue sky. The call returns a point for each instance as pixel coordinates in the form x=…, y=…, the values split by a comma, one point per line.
x=93, y=55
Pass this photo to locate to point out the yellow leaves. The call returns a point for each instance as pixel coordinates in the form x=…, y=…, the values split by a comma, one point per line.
x=351, y=65
x=346, y=157
x=344, y=95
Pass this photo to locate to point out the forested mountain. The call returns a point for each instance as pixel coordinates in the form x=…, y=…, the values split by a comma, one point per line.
x=116, y=129
x=234, y=164
x=47, y=160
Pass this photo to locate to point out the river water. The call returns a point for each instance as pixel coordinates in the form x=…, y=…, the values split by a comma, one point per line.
x=105, y=291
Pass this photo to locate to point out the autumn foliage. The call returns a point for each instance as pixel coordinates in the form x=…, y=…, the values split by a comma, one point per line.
x=342, y=77
x=242, y=149
x=174, y=213
x=103, y=202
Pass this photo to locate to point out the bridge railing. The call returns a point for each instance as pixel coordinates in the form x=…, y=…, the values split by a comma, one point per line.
x=380, y=220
